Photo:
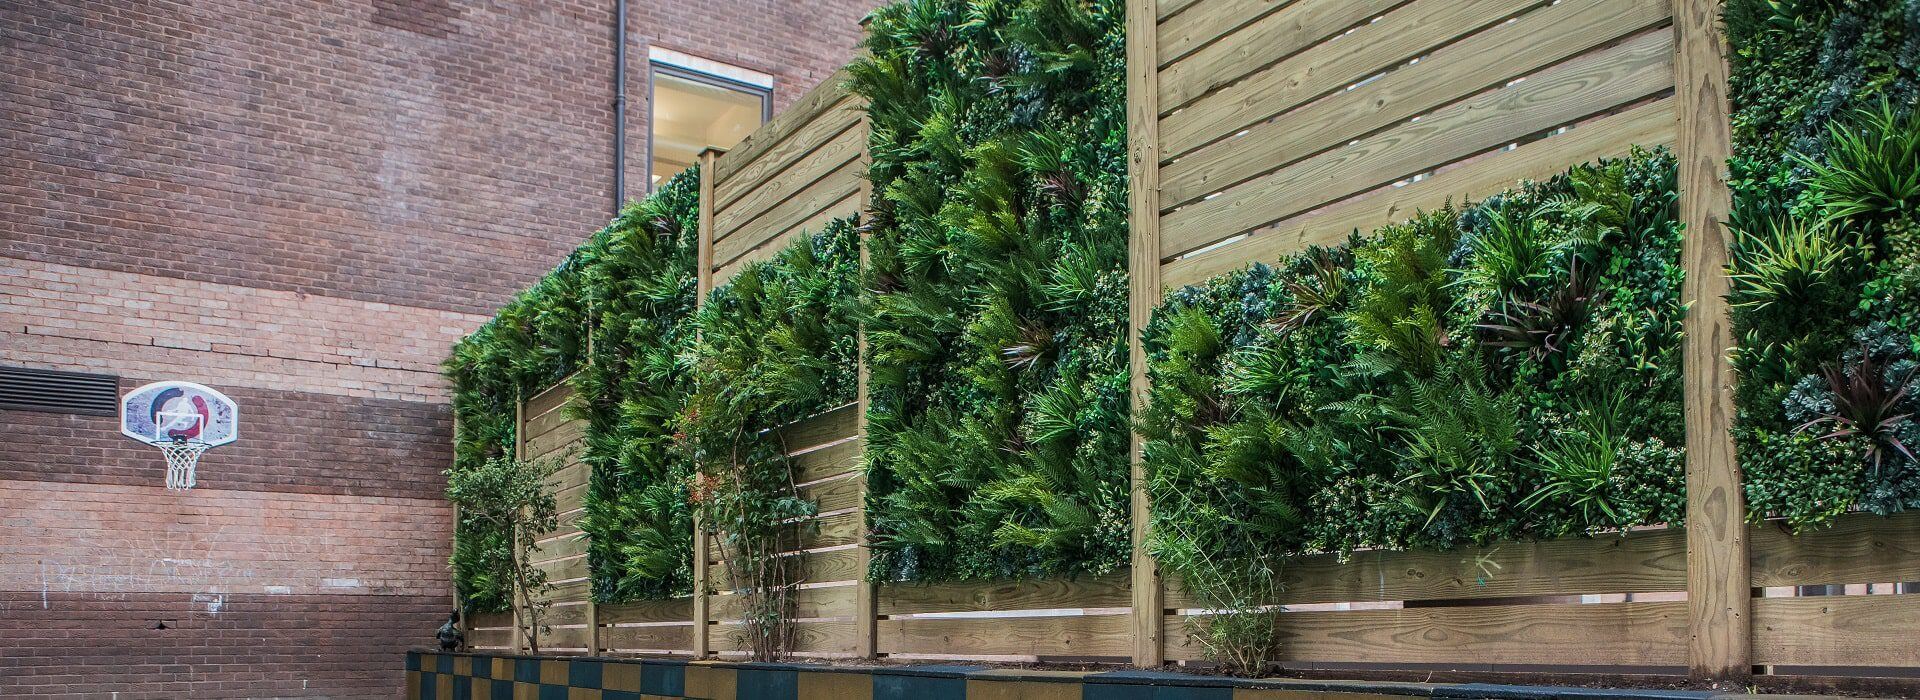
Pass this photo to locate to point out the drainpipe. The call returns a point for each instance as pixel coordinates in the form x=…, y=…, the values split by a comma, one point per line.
x=619, y=106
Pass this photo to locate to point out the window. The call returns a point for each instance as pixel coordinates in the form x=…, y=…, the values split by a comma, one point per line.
x=697, y=103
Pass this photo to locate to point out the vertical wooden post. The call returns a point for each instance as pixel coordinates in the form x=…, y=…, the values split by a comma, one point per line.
x=866, y=612
x=1719, y=594
x=704, y=276
x=466, y=622
x=519, y=453
x=1143, y=254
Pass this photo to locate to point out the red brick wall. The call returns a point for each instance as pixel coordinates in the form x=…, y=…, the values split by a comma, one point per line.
x=301, y=204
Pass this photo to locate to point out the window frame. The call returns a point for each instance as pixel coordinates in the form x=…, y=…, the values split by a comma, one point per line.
x=657, y=67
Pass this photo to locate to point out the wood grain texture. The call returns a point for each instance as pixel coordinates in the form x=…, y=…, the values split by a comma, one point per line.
x=736, y=232
x=822, y=637
x=1077, y=635
x=787, y=122
x=1112, y=591
x=1143, y=294
x=550, y=399
x=1188, y=70
x=1649, y=125
x=1859, y=548
x=866, y=611
x=768, y=168
x=1401, y=36
x=810, y=567
x=819, y=161
x=772, y=247
x=830, y=426
x=649, y=638
x=1718, y=588
x=826, y=462
x=842, y=493
x=701, y=642
x=1642, y=562
x=1593, y=83
x=826, y=601
x=1481, y=62
x=1641, y=634
x=664, y=610
x=1854, y=630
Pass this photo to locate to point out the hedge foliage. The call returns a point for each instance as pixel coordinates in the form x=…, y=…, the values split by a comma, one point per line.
x=628, y=294
x=1826, y=287
x=1505, y=370
x=778, y=343
x=998, y=426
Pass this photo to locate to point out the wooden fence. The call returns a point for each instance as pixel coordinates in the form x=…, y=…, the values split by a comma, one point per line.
x=1259, y=127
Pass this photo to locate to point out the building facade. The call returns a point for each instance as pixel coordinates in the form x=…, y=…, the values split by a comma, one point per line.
x=301, y=204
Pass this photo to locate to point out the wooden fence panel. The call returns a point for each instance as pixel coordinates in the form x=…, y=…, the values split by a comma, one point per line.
x=793, y=175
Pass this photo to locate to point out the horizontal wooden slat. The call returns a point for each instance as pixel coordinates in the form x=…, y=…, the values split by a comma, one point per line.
x=828, y=601
x=1483, y=61
x=832, y=426
x=1401, y=36
x=667, y=610
x=1643, y=562
x=489, y=620
x=837, y=494
x=1072, y=635
x=564, y=638
x=564, y=569
x=1855, y=630
x=1650, y=125
x=1638, y=634
x=825, y=462
x=550, y=399
x=560, y=548
x=552, y=413
x=565, y=614
x=838, y=210
x=815, y=165
x=490, y=638
x=1857, y=549
x=650, y=638
x=796, y=116
x=814, y=567
x=771, y=165
x=1639, y=68
x=1168, y=8
x=563, y=443
x=819, y=196
x=1103, y=592
x=565, y=592
x=808, y=637
x=814, y=533
x=1257, y=41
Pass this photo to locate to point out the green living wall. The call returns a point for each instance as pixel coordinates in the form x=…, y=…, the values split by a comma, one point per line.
x=616, y=316
x=1508, y=369
x=1826, y=262
x=998, y=423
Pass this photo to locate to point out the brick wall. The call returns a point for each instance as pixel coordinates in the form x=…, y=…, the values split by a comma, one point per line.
x=302, y=204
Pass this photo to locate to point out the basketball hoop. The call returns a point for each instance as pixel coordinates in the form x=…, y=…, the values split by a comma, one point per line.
x=184, y=420
x=181, y=455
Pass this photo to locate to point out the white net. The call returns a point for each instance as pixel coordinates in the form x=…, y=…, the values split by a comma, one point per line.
x=181, y=455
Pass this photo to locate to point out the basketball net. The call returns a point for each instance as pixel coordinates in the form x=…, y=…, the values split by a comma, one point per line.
x=181, y=458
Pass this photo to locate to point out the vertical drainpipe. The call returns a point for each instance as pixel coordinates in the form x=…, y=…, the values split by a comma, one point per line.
x=619, y=105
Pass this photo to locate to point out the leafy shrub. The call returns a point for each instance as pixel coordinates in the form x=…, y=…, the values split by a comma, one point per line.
x=1509, y=369
x=998, y=432
x=614, y=315
x=1826, y=293
x=777, y=344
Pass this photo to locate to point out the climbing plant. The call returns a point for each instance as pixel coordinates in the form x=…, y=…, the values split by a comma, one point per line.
x=998, y=426
x=778, y=343
x=1507, y=369
x=1826, y=260
x=614, y=316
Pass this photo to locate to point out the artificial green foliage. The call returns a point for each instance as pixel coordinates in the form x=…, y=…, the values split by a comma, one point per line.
x=998, y=423
x=640, y=284
x=1506, y=370
x=778, y=343
x=626, y=298
x=1826, y=257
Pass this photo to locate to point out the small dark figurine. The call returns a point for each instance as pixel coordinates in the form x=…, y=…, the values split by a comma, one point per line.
x=449, y=634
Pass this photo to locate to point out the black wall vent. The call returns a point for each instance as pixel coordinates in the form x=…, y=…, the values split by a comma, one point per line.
x=25, y=389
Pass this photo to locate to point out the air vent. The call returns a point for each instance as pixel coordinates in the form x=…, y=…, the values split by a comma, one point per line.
x=25, y=389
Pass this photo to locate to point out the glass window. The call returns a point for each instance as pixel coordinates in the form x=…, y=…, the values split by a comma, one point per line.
x=692, y=111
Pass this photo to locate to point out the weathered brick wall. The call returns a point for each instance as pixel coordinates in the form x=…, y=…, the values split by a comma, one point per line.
x=302, y=204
